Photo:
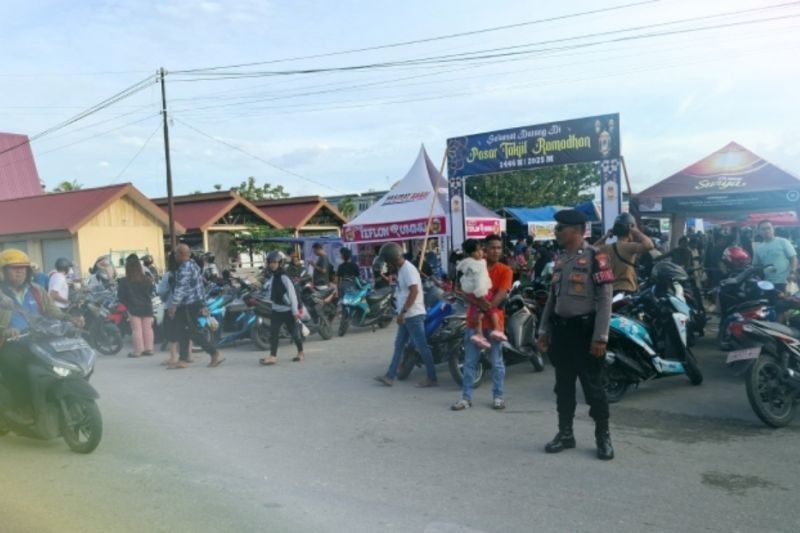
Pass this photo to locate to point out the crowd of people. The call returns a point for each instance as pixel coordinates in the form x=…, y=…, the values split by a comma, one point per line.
x=580, y=279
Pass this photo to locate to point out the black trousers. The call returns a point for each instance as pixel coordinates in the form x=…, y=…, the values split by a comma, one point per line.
x=187, y=330
x=278, y=319
x=570, y=354
x=14, y=366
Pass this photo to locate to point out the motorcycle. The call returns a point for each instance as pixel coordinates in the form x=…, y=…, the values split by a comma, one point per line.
x=102, y=334
x=318, y=309
x=445, y=323
x=770, y=361
x=444, y=328
x=362, y=306
x=653, y=345
x=63, y=401
x=744, y=296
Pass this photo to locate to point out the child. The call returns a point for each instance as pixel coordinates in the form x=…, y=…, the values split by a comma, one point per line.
x=476, y=284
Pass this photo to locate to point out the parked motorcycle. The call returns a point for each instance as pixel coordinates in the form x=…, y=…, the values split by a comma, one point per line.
x=102, y=334
x=319, y=311
x=653, y=345
x=744, y=296
x=363, y=307
x=62, y=399
x=770, y=361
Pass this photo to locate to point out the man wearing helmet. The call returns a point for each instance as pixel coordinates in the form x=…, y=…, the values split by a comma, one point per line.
x=778, y=252
x=210, y=269
x=150, y=269
x=285, y=308
x=58, y=285
x=410, y=315
x=623, y=254
x=22, y=299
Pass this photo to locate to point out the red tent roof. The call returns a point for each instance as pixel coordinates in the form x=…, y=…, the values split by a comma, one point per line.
x=732, y=169
x=66, y=211
x=18, y=175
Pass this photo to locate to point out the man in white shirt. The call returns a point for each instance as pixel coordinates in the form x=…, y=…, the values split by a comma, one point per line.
x=410, y=316
x=58, y=286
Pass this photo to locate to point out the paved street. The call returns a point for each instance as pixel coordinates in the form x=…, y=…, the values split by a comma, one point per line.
x=318, y=446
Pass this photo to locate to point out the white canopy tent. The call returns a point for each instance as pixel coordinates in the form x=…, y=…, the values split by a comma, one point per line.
x=402, y=214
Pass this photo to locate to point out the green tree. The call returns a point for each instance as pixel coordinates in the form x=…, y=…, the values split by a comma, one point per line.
x=66, y=186
x=565, y=185
x=253, y=192
x=347, y=207
x=217, y=187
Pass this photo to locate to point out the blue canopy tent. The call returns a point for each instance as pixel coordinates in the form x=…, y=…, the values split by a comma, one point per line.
x=518, y=218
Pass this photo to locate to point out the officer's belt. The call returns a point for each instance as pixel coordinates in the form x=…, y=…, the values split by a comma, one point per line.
x=578, y=321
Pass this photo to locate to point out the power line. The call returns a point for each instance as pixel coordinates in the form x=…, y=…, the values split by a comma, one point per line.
x=500, y=51
x=238, y=149
x=138, y=152
x=424, y=40
x=125, y=93
x=100, y=134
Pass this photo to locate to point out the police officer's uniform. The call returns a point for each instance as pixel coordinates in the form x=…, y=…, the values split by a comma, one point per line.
x=577, y=313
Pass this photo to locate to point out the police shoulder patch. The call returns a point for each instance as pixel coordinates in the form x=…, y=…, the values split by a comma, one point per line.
x=602, y=269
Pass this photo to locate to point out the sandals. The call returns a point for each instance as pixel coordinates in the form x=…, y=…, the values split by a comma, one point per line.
x=299, y=357
x=264, y=362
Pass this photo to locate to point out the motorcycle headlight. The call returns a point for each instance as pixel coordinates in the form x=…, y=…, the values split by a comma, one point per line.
x=62, y=371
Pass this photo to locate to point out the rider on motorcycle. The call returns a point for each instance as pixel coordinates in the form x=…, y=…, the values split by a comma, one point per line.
x=21, y=299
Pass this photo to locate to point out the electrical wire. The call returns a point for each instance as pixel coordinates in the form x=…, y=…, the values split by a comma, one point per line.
x=138, y=152
x=506, y=51
x=424, y=40
x=238, y=149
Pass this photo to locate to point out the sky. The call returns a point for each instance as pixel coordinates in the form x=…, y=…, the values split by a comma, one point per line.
x=680, y=96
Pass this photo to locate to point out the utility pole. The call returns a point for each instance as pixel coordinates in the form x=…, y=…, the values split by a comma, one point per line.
x=173, y=239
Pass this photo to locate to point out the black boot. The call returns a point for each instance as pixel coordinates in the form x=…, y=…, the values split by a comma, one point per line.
x=602, y=436
x=564, y=439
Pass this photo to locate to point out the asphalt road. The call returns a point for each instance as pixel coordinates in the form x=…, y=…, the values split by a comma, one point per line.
x=318, y=446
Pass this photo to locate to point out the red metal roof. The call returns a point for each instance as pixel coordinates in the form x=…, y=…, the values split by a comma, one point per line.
x=67, y=211
x=199, y=215
x=18, y=175
x=291, y=216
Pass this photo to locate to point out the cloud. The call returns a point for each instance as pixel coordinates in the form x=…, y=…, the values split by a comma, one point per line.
x=103, y=164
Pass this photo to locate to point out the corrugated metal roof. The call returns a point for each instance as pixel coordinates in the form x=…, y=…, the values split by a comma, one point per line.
x=18, y=175
x=200, y=211
x=67, y=211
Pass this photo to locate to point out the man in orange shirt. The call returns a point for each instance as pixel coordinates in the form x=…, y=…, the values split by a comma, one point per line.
x=502, y=277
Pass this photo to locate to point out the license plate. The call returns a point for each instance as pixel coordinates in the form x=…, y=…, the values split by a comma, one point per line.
x=743, y=355
x=68, y=345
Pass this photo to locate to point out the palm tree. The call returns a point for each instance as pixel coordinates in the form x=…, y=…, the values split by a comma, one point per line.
x=347, y=207
x=66, y=186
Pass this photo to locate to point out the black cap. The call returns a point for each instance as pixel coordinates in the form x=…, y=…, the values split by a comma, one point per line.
x=571, y=217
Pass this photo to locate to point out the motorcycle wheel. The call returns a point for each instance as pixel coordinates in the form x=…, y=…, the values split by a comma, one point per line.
x=385, y=321
x=260, y=335
x=616, y=386
x=329, y=310
x=692, y=370
x=770, y=397
x=84, y=432
x=456, y=367
x=107, y=339
x=407, y=365
x=325, y=329
x=344, y=325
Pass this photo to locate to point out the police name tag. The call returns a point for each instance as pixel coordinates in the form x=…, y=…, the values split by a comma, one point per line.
x=743, y=355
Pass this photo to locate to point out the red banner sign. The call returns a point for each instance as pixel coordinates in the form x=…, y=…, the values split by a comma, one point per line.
x=394, y=231
x=478, y=228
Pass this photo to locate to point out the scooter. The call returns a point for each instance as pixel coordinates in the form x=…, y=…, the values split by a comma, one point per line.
x=364, y=307
x=62, y=399
x=744, y=296
x=318, y=309
x=102, y=334
x=770, y=361
x=654, y=345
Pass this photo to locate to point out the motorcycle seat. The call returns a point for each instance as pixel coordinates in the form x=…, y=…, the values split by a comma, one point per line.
x=379, y=294
x=780, y=328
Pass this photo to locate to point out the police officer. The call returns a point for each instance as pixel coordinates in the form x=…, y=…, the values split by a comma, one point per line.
x=574, y=329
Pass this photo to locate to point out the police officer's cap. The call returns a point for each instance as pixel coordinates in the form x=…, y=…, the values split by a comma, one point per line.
x=571, y=217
